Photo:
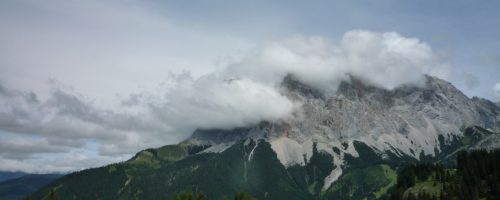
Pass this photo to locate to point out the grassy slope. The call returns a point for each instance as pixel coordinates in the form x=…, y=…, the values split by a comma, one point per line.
x=392, y=176
x=430, y=186
x=369, y=182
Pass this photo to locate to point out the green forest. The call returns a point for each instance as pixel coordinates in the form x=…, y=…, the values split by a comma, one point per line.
x=184, y=195
x=476, y=176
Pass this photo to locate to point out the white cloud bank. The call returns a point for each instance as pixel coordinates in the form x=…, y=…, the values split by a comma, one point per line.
x=386, y=60
x=243, y=93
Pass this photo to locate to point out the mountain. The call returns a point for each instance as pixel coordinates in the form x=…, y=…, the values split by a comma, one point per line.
x=19, y=187
x=10, y=175
x=348, y=145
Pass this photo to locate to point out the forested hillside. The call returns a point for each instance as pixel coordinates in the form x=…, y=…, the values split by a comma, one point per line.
x=476, y=176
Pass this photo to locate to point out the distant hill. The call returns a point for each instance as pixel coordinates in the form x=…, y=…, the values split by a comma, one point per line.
x=10, y=175
x=18, y=188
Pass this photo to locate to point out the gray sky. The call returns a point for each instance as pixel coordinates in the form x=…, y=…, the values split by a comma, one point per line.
x=86, y=83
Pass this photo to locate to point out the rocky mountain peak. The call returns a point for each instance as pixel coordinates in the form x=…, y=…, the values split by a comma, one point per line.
x=294, y=87
x=408, y=120
x=358, y=111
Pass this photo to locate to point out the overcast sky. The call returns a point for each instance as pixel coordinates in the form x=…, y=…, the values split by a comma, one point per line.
x=87, y=83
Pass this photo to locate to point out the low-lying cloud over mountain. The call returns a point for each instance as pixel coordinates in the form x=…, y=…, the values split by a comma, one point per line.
x=242, y=93
x=387, y=60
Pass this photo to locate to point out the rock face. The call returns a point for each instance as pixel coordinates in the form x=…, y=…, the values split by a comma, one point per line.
x=409, y=121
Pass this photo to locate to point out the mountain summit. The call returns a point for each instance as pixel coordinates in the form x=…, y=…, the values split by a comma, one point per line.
x=317, y=153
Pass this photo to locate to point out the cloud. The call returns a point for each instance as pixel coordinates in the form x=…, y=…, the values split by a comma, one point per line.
x=65, y=118
x=123, y=47
x=471, y=81
x=245, y=92
x=490, y=59
x=386, y=60
x=24, y=148
x=496, y=89
x=61, y=163
x=215, y=101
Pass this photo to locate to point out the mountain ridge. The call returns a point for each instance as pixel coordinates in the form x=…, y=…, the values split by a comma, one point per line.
x=312, y=154
x=291, y=141
x=18, y=187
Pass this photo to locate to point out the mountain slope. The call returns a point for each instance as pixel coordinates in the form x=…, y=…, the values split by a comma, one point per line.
x=10, y=175
x=244, y=166
x=345, y=145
